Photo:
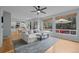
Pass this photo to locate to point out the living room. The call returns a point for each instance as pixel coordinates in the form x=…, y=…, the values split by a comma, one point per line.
x=39, y=29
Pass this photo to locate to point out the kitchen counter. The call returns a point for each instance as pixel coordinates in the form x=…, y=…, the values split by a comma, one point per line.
x=37, y=47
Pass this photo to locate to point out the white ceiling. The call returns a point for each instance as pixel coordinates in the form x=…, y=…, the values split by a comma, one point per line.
x=23, y=12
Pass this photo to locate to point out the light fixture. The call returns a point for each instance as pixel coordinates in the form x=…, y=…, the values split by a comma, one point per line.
x=38, y=11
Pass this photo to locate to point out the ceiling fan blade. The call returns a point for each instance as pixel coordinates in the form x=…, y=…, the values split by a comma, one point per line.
x=33, y=11
x=35, y=7
x=43, y=12
x=44, y=8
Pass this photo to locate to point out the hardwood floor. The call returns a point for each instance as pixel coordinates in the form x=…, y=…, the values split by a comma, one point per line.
x=64, y=46
x=15, y=35
x=8, y=45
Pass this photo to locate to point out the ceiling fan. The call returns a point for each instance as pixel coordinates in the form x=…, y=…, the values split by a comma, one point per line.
x=38, y=9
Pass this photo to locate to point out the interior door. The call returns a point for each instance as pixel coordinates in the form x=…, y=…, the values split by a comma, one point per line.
x=6, y=24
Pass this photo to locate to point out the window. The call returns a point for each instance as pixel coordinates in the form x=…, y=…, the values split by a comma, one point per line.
x=47, y=24
x=67, y=27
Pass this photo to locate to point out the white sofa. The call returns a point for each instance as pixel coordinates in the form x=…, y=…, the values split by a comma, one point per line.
x=32, y=38
x=24, y=36
x=29, y=38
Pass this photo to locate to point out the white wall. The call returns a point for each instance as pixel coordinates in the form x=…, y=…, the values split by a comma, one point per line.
x=13, y=24
x=1, y=32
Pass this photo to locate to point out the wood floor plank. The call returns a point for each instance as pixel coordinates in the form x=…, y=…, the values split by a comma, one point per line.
x=64, y=46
